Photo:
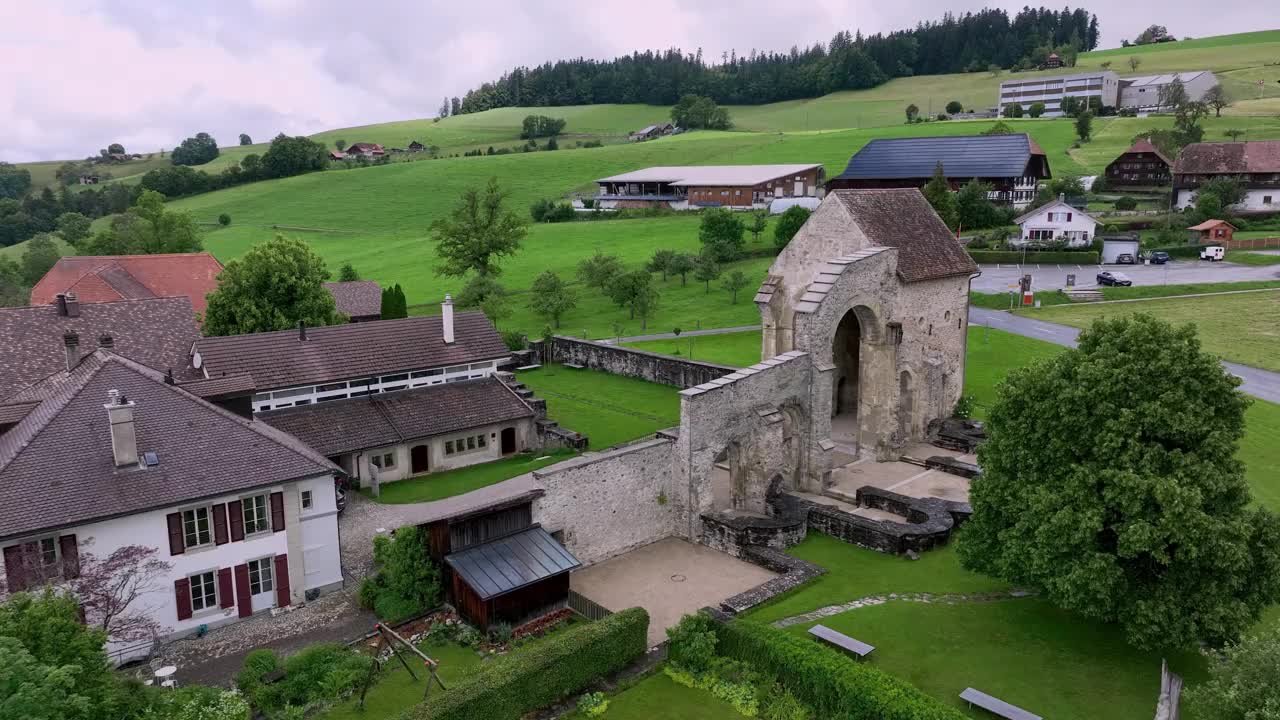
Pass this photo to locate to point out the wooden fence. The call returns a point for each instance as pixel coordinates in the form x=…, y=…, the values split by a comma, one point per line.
x=587, y=608
x=1252, y=243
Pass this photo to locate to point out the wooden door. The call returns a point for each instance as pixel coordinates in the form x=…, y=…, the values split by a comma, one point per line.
x=508, y=440
x=419, y=456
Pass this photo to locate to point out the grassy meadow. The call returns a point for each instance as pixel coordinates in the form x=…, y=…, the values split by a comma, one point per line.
x=608, y=409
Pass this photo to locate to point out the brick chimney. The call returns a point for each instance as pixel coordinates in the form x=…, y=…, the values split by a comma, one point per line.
x=60, y=300
x=302, y=330
x=73, y=305
x=124, y=439
x=446, y=314
x=106, y=342
x=71, y=342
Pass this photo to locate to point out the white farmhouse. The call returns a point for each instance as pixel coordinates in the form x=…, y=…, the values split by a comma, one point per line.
x=1057, y=221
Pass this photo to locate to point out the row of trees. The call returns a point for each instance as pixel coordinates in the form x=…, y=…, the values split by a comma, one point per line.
x=957, y=43
x=285, y=157
x=969, y=208
x=695, y=112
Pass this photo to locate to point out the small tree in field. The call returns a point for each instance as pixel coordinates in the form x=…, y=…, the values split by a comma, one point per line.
x=245, y=139
x=1084, y=126
x=788, y=224
x=954, y=107
x=1036, y=109
x=550, y=297
x=1244, y=681
x=912, y=112
x=1134, y=62
x=1110, y=483
x=758, y=223
x=347, y=273
x=1217, y=98
x=599, y=270
x=661, y=262
x=706, y=269
x=735, y=282
x=478, y=232
x=721, y=234
x=340, y=144
x=682, y=264
x=113, y=591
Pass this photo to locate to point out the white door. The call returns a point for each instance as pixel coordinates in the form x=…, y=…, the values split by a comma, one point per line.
x=777, y=191
x=262, y=584
x=799, y=188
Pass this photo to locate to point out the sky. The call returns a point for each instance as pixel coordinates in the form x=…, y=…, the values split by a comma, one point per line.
x=76, y=75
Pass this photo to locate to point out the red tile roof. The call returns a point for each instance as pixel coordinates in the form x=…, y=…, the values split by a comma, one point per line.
x=1211, y=224
x=97, y=278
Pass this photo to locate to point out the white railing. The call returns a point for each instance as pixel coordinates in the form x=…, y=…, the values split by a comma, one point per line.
x=308, y=394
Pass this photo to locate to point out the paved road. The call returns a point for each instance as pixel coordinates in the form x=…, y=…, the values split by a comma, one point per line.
x=1262, y=384
x=998, y=278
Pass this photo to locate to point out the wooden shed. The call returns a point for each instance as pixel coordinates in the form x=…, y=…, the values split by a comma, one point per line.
x=512, y=579
x=1213, y=231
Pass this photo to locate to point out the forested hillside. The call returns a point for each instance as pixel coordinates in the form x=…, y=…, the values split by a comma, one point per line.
x=966, y=43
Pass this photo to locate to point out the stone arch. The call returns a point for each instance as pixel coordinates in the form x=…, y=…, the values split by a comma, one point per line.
x=856, y=329
x=794, y=427
x=906, y=407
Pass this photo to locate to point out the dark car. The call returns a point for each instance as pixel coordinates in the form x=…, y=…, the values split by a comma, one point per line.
x=1125, y=259
x=1159, y=257
x=1107, y=277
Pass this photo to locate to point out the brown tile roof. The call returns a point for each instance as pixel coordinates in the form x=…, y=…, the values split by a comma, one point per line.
x=1211, y=224
x=361, y=423
x=357, y=298
x=222, y=386
x=351, y=351
x=57, y=468
x=1143, y=145
x=158, y=333
x=103, y=278
x=903, y=219
x=1216, y=158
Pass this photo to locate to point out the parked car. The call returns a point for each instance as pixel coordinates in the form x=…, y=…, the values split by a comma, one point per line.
x=1213, y=252
x=1107, y=277
x=1159, y=257
x=1125, y=259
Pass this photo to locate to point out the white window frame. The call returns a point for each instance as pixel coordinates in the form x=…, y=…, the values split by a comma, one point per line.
x=195, y=523
x=341, y=389
x=466, y=444
x=54, y=549
x=260, y=525
x=306, y=499
x=206, y=591
x=262, y=573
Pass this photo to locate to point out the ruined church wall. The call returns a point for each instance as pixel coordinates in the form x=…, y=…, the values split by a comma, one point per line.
x=640, y=364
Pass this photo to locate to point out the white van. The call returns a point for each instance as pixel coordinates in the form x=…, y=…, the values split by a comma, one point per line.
x=1213, y=252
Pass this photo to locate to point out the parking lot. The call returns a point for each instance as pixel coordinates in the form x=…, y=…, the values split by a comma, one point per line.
x=998, y=278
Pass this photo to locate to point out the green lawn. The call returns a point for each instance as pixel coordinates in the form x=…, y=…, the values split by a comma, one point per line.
x=1241, y=328
x=395, y=691
x=1024, y=651
x=992, y=354
x=658, y=696
x=609, y=409
x=738, y=349
x=16, y=251
x=1252, y=258
x=437, y=486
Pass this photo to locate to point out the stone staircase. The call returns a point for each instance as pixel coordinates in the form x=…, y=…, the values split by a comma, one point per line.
x=549, y=430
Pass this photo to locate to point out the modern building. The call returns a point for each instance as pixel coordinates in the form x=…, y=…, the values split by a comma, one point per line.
x=1143, y=93
x=108, y=454
x=104, y=278
x=1057, y=222
x=1012, y=164
x=1255, y=164
x=1050, y=90
x=359, y=300
x=1142, y=165
x=741, y=187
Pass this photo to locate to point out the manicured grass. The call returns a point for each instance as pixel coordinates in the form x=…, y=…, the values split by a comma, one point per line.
x=1240, y=328
x=1137, y=292
x=437, y=486
x=15, y=252
x=1024, y=651
x=658, y=696
x=992, y=354
x=1252, y=258
x=1003, y=301
x=609, y=409
x=854, y=572
x=395, y=692
x=1260, y=453
x=738, y=349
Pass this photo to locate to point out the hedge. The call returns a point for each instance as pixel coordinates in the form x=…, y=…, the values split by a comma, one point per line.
x=830, y=683
x=533, y=678
x=1089, y=257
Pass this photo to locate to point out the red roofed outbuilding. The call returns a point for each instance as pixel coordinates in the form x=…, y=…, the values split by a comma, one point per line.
x=105, y=278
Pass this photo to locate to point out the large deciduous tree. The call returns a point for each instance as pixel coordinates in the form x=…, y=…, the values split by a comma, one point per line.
x=14, y=181
x=1217, y=98
x=1110, y=483
x=478, y=232
x=788, y=224
x=274, y=286
x=550, y=297
x=196, y=150
x=147, y=229
x=114, y=591
x=40, y=254
x=293, y=156
x=1244, y=681
x=73, y=227
x=973, y=206
x=695, y=112
x=721, y=234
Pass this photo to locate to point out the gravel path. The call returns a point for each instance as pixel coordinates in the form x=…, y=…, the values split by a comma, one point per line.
x=948, y=599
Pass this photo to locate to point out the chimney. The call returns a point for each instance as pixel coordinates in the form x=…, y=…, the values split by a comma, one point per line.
x=72, y=343
x=73, y=305
x=106, y=342
x=302, y=330
x=446, y=314
x=1062, y=197
x=61, y=301
x=124, y=440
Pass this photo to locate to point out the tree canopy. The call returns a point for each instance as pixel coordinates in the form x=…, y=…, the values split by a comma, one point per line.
x=536, y=126
x=721, y=233
x=196, y=150
x=695, y=112
x=1110, y=483
x=550, y=297
x=14, y=181
x=293, y=156
x=599, y=270
x=788, y=224
x=1244, y=681
x=478, y=232
x=148, y=228
x=274, y=286
x=938, y=192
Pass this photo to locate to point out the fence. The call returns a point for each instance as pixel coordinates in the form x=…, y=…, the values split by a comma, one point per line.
x=1252, y=243
x=587, y=608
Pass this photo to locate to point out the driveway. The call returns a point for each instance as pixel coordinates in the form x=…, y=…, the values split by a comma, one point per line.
x=998, y=278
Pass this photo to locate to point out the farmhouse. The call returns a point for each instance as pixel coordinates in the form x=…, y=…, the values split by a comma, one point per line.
x=1143, y=93
x=652, y=131
x=1012, y=164
x=1103, y=84
x=687, y=187
x=1142, y=165
x=108, y=454
x=416, y=146
x=104, y=278
x=359, y=300
x=1255, y=164
x=370, y=150
x=1057, y=222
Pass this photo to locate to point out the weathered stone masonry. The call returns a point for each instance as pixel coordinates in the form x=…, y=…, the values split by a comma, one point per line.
x=630, y=362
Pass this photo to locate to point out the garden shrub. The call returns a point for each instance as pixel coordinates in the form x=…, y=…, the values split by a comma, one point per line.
x=408, y=582
x=560, y=666
x=315, y=676
x=593, y=704
x=728, y=680
x=1034, y=256
x=514, y=340
x=224, y=219
x=1126, y=203
x=197, y=702
x=693, y=643
x=779, y=704
x=833, y=685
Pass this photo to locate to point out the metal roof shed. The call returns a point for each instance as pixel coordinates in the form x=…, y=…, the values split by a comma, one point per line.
x=511, y=579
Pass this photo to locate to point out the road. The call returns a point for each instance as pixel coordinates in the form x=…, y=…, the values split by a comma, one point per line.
x=1262, y=384
x=998, y=278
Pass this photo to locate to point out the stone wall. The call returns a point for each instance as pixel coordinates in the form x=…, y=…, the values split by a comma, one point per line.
x=928, y=522
x=609, y=502
x=629, y=362
x=734, y=533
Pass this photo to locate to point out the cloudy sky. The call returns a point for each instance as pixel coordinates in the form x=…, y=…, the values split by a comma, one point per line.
x=76, y=75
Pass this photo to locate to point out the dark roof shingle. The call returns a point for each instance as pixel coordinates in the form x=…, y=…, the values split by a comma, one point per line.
x=962, y=156
x=350, y=351
x=157, y=332
x=512, y=562
x=903, y=219
x=360, y=423
x=57, y=467
x=357, y=298
x=1215, y=158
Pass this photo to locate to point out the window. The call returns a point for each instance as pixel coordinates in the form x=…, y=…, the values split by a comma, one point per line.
x=260, y=579
x=466, y=444
x=389, y=460
x=195, y=527
x=306, y=500
x=1266, y=199
x=48, y=551
x=394, y=378
x=204, y=592
x=448, y=447
x=331, y=387
x=256, y=518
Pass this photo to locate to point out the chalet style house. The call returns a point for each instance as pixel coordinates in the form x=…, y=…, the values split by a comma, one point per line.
x=1057, y=222
x=740, y=187
x=383, y=400
x=1013, y=165
x=1142, y=165
x=369, y=150
x=1255, y=164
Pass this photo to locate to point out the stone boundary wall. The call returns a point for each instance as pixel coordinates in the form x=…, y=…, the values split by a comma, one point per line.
x=630, y=362
x=609, y=502
x=734, y=534
x=929, y=521
x=794, y=572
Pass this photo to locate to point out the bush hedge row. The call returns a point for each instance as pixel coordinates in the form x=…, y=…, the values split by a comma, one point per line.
x=1034, y=256
x=833, y=685
x=558, y=667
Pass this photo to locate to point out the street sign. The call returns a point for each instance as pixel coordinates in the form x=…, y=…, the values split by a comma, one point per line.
x=1071, y=279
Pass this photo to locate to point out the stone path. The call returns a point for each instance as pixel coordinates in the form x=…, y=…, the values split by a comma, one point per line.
x=947, y=599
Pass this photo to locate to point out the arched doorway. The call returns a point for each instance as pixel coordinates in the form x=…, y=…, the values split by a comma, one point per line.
x=906, y=407
x=846, y=352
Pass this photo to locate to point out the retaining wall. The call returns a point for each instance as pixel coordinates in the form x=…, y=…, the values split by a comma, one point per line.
x=630, y=362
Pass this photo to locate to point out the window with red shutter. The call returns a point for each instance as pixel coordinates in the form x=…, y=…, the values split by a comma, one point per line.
x=70, y=556
x=282, y=581
x=182, y=595
x=235, y=513
x=226, y=595
x=219, y=524
x=277, y=511
x=176, y=544
x=244, y=601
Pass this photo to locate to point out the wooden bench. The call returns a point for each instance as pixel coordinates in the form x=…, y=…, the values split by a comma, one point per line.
x=572, y=365
x=528, y=367
x=842, y=641
x=996, y=705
